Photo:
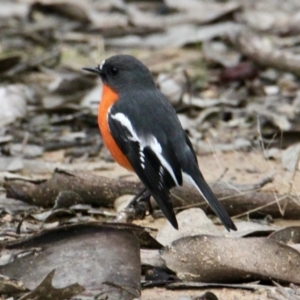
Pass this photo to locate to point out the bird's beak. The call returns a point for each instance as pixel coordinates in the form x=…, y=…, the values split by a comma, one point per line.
x=93, y=70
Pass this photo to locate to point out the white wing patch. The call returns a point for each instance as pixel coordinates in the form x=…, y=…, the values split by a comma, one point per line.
x=142, y=158
x=126, y=123
x=156, y=147
x=149, y=141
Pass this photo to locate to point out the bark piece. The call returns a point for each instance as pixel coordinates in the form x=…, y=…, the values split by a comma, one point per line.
x=217, y=259
x=96, y=190
x=103, y=191
x=88, y=254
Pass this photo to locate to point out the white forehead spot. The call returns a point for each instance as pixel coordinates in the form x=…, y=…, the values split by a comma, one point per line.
x=102, y=64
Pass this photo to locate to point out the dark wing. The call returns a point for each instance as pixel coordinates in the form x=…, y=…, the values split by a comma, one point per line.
x=148, y=166
x=189, y=143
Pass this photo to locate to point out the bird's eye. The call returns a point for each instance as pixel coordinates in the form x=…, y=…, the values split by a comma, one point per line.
x=114, y=71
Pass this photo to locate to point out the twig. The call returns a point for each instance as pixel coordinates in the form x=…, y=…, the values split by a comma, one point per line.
x=291, y=184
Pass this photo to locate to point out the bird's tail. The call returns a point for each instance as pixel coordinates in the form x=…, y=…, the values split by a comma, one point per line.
x=165, y=204
x=199, y=182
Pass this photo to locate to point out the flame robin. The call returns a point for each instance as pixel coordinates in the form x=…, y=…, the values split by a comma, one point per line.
x=141, y=130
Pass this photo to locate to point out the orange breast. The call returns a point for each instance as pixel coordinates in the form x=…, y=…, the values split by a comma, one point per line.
x=109, y=97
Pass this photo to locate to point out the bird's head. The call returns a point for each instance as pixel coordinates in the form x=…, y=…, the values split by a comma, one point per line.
x=123, y=72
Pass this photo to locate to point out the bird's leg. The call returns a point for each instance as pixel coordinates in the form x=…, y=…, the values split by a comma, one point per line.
x=141, y=204
x=136, y=209
x=136, y=197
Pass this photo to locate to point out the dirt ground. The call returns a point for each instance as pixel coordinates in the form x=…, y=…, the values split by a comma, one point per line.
x=241, y=168
x=222, y=294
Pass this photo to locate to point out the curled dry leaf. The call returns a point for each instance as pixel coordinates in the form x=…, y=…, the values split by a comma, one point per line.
x=89, y=254
x=288, y=235
x=218, y=259
x=248, y=228
x=191, y=222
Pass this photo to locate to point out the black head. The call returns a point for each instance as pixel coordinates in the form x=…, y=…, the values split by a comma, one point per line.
x=123, y=71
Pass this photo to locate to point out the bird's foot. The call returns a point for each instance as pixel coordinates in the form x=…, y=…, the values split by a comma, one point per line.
x=141, y=205
x=138, y=208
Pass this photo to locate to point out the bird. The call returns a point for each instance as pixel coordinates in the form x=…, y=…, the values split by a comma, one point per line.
x=142, y=131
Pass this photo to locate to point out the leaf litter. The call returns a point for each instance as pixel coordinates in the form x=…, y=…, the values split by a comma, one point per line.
x=229, y=68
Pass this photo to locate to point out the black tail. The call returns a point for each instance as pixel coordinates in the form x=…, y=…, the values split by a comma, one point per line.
x=214, y=203
x=194, y=175
x=165, y=204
